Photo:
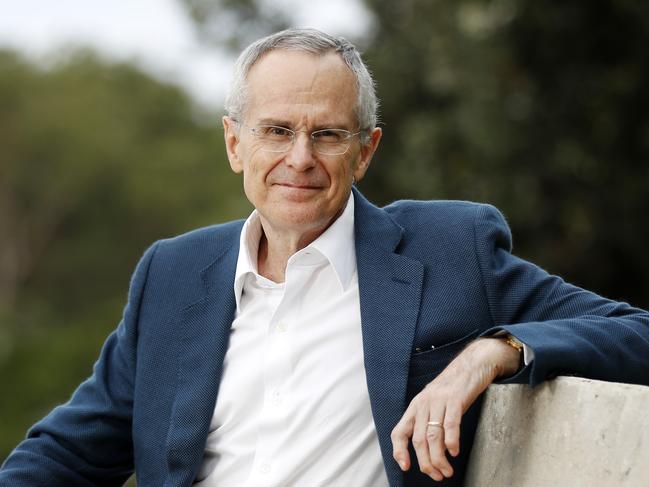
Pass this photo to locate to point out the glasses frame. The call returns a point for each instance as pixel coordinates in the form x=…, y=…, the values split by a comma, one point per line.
x=348, y=136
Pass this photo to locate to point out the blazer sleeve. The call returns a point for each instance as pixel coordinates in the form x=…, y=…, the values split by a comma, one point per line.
x=572, y=331
x=87, y=441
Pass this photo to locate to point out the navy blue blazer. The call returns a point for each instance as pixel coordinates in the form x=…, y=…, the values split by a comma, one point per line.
x=431, y=274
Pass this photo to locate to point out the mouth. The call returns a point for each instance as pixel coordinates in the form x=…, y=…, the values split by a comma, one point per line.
x=297, y=193
x=295, y=186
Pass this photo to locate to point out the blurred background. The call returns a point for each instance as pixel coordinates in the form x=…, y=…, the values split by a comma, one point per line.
x=110, y=139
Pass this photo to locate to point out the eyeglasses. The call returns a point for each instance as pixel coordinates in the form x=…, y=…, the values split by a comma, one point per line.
x=329, y=142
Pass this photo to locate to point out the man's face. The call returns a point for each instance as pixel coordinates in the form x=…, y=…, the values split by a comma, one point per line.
x=299, y=190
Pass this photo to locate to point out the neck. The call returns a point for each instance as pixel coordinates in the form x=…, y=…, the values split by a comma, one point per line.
x=276, y=247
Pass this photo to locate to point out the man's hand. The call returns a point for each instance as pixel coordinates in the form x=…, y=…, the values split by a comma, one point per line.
x=443, y=402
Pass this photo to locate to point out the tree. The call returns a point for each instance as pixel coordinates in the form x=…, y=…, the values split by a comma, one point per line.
x=537, y=107
x=105, y=147
x=98, y=161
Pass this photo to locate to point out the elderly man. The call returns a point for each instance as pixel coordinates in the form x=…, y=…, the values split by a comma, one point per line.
x=323, y=341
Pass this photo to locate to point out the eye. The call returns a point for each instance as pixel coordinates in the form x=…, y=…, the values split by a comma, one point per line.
x=330, y=135
x=274, y=132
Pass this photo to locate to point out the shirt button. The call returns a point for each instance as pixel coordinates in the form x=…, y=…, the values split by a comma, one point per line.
x=264, y=468
x=282, y=327
x=276, y=398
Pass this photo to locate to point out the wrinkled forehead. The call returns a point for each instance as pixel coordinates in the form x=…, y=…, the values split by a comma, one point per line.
x=300, y=84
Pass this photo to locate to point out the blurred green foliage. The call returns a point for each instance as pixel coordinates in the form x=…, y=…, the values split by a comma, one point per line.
x=540, y=108
x=98, y=161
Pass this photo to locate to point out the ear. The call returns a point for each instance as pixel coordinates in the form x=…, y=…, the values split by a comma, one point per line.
x=231, y=133
x=367, y=151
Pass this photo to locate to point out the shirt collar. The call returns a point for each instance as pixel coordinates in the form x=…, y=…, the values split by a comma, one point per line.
x=336, y=244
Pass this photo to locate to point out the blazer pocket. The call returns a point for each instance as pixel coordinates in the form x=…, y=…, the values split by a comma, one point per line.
x=432, y=362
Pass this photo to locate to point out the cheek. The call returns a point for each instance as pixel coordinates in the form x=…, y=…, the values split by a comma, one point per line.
x=248, y=189
x=253, y=180
x=256, y=163
x=256, y=171
x=341, y=172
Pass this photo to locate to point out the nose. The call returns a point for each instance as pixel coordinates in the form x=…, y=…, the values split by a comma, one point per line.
x=300, y=155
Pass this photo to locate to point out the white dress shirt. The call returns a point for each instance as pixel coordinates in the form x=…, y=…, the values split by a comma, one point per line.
x=293, y=407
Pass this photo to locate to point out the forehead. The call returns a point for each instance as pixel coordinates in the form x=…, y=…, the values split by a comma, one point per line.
x=303, y=88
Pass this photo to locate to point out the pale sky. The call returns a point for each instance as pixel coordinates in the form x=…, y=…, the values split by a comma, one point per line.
x=156, y=34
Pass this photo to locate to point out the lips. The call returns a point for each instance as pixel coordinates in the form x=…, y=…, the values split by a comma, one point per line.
x=299, y=185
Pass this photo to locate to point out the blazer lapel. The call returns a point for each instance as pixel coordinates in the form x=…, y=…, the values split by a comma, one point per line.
x=205, y=329
x=390, y=293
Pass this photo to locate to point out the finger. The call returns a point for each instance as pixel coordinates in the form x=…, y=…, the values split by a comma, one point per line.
x=452, y=422
x=400, y=436
x=420, y=444
x=437, y=450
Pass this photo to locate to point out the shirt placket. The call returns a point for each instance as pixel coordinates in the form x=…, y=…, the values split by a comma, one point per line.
x=276, y=372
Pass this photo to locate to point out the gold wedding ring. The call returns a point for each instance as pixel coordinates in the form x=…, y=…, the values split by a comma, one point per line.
x=435, y=424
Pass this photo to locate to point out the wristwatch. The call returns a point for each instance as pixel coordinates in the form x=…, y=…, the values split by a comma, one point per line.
x=514, y=342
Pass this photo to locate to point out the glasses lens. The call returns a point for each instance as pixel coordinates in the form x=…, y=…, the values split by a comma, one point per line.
x=273, y=138
x=331, y=141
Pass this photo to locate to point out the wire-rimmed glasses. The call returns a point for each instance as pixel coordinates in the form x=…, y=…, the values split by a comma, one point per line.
x=329, y=142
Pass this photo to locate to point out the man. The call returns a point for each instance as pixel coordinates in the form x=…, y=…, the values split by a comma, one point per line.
x=324, y=341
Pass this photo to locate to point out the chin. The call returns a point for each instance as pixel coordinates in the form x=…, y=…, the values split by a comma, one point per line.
x=306, y=217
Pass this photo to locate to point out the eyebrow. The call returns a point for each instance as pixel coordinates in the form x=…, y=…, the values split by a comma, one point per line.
x=274, y=121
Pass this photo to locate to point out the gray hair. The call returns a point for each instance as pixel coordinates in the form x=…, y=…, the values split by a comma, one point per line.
x=315, y=42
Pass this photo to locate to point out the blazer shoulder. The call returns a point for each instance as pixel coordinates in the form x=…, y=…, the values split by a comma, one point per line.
x=203, y=241
x=449, y=224
x=176, y=264
x=449, y=212
x=191, y=252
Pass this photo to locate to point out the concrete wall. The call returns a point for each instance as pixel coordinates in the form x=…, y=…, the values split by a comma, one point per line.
x=567, y=432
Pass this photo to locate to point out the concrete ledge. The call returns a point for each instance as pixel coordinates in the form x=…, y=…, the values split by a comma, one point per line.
x=567, y=432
